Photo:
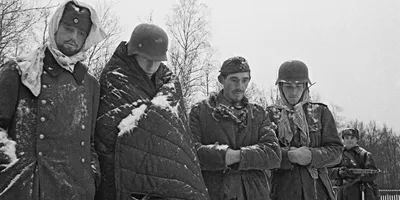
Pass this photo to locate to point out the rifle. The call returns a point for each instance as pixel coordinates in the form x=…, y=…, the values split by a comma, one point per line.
x=363, y=172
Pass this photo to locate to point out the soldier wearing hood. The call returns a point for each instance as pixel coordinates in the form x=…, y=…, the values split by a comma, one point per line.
x=48, y=111
x=308, y=138
x=234, y=143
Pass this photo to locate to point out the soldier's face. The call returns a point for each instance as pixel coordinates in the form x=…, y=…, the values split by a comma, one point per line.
x=148, y=66
x=235, y=85
x=69, y=39
x=349, y=141
x=293, y=92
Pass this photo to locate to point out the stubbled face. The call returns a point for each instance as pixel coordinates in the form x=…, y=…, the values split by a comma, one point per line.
x=148, y=66
x=69, y=39
x=349, y=141
x=293, y=92
x=235, y=86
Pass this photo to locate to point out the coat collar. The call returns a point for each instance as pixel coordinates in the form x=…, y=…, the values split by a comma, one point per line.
x=222, y=100
x=53, y=68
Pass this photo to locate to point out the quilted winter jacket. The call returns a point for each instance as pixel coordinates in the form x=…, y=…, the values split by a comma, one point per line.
x=142, y=135
x=53, y=134
x=215, y=131
x=295, y=182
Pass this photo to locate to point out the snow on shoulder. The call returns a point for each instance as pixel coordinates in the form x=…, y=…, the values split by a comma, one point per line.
x=162, y=100
x=131, y=121
x=118, y=74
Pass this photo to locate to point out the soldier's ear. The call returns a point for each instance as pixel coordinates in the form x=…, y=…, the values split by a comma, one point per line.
x=221, y=79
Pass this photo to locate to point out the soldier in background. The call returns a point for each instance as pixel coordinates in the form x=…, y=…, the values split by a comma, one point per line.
x=308, y=138
x=355, y=184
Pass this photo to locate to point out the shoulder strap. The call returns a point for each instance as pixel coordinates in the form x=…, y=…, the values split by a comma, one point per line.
x=347, y=154
x=361, y=160
x=363, y=153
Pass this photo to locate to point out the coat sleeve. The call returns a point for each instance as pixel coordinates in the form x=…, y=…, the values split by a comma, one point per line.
x=9, y=84
x=369, y=163
x=285, y=162
x=211, y=156
x=94, y=157
x=330, y=152
x=334, y=171
x=266, y=154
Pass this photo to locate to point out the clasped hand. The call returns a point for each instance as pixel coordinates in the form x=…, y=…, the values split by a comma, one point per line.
x=232, y=156
x=301, y=155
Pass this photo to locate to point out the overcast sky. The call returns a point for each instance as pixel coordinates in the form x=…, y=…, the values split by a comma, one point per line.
x=352, y=48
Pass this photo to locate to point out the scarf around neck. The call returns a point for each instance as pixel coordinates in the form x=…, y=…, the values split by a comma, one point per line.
x=30, y=66
x=298, y=117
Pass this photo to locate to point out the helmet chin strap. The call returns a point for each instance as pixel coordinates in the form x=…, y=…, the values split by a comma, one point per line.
x=302, y=95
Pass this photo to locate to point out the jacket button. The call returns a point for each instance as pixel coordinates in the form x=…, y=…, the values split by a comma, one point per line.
x=82, y=143
x=41, y=136
x=40, y=153
x=83, y=160
x=43, y=101
x=83, y=127
x=44, y=86
x=44, y=72
x=42, y=119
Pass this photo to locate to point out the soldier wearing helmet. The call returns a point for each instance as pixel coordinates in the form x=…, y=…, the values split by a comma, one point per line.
x=353, y=186
x=307, y=135
x=141, y=135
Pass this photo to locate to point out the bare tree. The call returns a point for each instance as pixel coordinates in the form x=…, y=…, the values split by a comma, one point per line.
x=336, y=112
x=189, y=27
x=262, y=96
x=209, y=77
x=315, y=96
x=17, y=17
x=99, y=54
x=147, y=19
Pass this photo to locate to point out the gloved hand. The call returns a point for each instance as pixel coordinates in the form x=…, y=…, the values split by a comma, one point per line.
x=232, y=156
x=346, y=173
x=301, y=156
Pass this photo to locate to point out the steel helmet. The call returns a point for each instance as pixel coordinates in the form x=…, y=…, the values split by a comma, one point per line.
x=149, y=41
x=293, y=71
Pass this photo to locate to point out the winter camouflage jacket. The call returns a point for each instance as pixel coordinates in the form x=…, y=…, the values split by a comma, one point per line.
x=295, y=182
x=350, y=187
x=53, y=134
x=215, y=128
x=142, y=135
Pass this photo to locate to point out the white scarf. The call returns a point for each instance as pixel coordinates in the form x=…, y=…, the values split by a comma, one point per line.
x=31, y=66
x=299, y=119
